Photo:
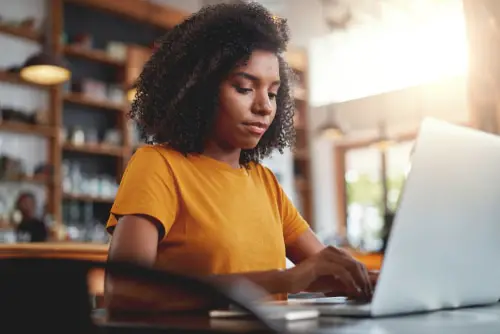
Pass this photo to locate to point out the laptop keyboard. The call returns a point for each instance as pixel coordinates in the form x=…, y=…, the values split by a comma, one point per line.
x=357, y=302
x=329, y=301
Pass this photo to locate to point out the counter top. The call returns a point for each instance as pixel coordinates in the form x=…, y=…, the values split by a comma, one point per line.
x=98, y=252
x=71, y=250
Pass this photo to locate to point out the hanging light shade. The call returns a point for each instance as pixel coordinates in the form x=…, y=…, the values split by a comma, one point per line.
x=331, y=129
x=44, y=69
x=384, y=141
x=131, y=94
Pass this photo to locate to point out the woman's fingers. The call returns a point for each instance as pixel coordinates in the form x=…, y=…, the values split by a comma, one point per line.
x=368, y=286
x=368, y=283
x=356, y=270
x=340, y=274
x=373, y=277
x=343, y=275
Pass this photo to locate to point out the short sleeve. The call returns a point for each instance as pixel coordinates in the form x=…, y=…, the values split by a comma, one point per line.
x=147, y=188
x=294, y=224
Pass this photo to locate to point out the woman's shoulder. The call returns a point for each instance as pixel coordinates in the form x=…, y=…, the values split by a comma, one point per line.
x=156, y=152
x=156, y=159
x=263, y=172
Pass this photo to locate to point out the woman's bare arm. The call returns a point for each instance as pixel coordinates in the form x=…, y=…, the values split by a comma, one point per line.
x=135, y=240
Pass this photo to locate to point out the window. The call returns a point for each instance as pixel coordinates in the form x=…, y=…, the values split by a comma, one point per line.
x=365, y=191
x=398, y=162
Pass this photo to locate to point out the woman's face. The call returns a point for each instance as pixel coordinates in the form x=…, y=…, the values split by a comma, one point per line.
x=247, y=102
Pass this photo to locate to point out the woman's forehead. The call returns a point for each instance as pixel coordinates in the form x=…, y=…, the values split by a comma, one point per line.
x=261, y=65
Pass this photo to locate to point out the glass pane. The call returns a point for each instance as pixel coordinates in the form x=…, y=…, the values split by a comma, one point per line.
x=398, y=162
x=364, y=192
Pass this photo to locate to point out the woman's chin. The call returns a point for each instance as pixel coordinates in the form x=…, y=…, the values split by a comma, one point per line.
x=249, y=144
x=250, y=147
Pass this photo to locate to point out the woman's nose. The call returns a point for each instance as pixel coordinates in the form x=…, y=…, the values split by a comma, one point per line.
x=263, y=105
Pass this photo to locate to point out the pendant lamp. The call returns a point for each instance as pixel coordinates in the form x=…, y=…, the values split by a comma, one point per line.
x=384, y=141
x=331, y=129
x=131, y=94
x=45, y=68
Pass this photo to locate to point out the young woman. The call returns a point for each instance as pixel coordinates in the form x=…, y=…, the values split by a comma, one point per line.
x=216, y=98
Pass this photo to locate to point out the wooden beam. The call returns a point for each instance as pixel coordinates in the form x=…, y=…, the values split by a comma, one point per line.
x=482, y=19
x=340, y=188
x=348, y=144
x=55, y=9
x=161, y=16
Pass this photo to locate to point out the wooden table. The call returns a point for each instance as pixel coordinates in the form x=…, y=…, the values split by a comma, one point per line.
x=67, y=250
x=99, y=252
x=478, y=320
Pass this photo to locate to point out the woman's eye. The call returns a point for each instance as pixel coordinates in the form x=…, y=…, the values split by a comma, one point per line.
x=272, y=96
x=242, y=90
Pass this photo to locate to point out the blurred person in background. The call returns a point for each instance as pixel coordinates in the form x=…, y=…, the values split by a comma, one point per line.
x=30, y=228
x=216, y=98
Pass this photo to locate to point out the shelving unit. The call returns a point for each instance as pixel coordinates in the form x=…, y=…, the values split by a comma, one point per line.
x=101, y=21
x=49, y=131
x=301, y=155
x=156, y=19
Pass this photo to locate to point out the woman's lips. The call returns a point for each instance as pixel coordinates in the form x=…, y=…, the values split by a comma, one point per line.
x=255, y=129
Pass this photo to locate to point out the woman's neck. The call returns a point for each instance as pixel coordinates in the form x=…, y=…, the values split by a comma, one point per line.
x=229, y=156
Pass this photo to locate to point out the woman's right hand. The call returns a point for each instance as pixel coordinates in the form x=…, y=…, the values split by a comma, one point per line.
x=331, y=270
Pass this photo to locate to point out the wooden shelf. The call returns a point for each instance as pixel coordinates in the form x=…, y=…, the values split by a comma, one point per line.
x=87, y=198
x=301, y=154
x=21, y=32
x=78, y=98
x=14, y=78
x=42, y=180
x=29, y=129
x=98, y=149
x=93, y=55
x=301, y=184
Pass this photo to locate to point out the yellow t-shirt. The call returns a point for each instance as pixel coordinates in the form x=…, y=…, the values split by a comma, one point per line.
x=216, y=219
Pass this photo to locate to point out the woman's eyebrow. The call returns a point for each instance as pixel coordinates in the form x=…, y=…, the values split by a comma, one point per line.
x=253, y=78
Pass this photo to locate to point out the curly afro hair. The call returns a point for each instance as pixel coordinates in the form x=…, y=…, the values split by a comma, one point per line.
x=177, y=91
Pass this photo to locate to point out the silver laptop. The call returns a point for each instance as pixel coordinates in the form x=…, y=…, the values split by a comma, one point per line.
x=445, y=241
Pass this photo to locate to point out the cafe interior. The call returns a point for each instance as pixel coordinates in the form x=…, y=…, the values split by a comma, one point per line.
x=367, y=73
